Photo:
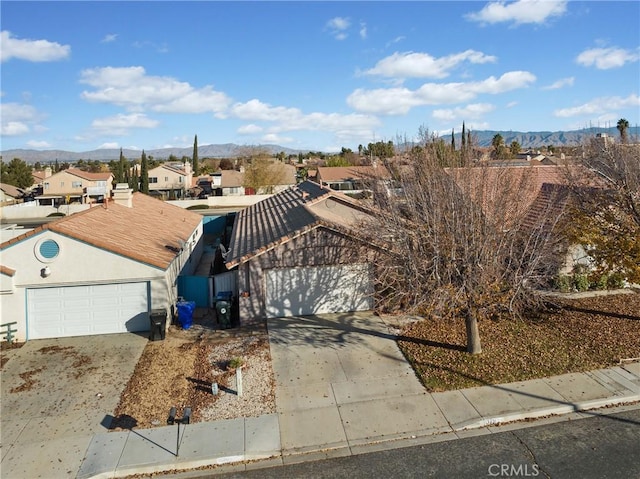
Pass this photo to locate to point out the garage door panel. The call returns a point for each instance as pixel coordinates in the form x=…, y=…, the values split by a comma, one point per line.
x=86, y=310
x=317, y=290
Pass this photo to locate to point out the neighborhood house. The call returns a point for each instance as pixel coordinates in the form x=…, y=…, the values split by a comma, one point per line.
x=100, y=271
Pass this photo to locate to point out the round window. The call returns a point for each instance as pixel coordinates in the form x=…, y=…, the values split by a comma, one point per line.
x=47, y=250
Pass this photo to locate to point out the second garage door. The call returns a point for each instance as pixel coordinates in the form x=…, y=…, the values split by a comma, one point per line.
x=316, y=290
x=87, y=310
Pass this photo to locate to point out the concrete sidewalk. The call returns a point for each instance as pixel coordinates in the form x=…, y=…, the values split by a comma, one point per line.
x=373, y=425
x=458, y=414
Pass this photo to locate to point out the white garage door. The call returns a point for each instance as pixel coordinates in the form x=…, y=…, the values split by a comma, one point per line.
x=87, y=310
x=317, y=290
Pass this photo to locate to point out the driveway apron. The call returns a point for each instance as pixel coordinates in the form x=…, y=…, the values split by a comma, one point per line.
x=56, y=394
x=342, y=382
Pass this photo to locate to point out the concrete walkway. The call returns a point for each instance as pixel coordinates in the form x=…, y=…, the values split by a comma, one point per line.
x=343, y=387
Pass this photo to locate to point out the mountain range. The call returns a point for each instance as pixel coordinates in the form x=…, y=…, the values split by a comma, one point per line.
x=483, y=138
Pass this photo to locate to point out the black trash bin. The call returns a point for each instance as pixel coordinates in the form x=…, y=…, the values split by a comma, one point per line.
x=158, y=326
x=223, y=308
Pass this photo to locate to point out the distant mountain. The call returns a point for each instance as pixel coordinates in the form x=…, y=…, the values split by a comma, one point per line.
x=228, y=150
x=537, y=139
x=532, y=139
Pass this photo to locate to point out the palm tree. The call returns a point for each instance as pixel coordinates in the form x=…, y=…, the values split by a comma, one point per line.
x=622, y=127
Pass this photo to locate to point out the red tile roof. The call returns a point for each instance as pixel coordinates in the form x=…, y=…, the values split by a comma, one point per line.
x=151, y=232
x=89, y=176
x=339, y=173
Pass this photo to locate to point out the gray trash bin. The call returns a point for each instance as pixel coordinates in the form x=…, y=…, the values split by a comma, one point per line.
x=158, y=324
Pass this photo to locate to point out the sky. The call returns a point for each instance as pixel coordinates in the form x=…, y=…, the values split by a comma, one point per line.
x=79, y=76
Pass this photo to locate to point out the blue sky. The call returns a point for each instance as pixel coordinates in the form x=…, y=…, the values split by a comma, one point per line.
x=319, y=75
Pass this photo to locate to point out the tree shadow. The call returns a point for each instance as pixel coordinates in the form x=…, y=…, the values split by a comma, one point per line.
x=600, y=313
x=345, y=329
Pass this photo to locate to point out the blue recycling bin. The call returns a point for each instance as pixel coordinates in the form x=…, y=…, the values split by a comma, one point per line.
x=185, y=313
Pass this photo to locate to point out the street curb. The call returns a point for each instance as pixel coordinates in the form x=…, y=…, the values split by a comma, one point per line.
x=282, y=458
x=549, y=411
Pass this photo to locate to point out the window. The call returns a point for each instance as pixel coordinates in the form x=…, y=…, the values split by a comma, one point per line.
x=101, y=183
x=45, y=186
x=47, y=250
x=166, y=179
x=153, y=179
x=180, y=179
x=62, y=183
x=76, y=184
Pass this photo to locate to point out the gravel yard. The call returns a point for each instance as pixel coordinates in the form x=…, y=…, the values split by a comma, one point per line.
x=179, y=371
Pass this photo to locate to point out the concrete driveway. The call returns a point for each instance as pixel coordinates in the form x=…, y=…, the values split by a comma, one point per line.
x=342, y=383
x=55, y=396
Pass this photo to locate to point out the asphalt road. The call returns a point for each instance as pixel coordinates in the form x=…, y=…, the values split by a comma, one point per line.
x=599, y=447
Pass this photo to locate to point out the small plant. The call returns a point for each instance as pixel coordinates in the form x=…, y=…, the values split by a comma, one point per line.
x=198, y=207
x=563, y=283
x=615, y=281
x=55, y=214
x=581, y=282
x=236, y=363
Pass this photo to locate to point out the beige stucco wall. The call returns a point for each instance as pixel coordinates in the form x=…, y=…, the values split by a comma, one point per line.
x=79, y=263
x=320, y=246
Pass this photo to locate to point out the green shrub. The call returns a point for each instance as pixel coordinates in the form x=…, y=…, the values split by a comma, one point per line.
x=56, y=214
x=198, y=207
x=563, y=283
x=581, y=282
x=235, y=363
x=615, y=281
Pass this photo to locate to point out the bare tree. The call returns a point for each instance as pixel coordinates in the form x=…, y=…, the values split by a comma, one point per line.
x=263, y=173
x=464, y=241
x=606, y=219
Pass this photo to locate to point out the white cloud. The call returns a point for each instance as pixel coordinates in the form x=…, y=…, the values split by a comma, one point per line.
x=607, y=58
x=277, y=139
x=563, y=82
x=111, y=37
x=133, y=89
x=395, y=40
x=338, y=27
x=121, y=124
x=31, y=50
x=599, y=106
x=519, y=12
x=423, y=65
x=109, y=146
x=292, y=119
x=250, y=129
x=18, y=119
x=398, y=101
x=363, y=30
x=469, y=112
x=257, y=110
x=38, y=144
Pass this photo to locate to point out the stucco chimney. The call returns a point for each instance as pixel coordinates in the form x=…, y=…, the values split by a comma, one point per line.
x=122, y=195
x=47, y=172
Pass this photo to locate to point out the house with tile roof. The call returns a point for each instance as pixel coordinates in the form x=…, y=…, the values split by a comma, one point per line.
x=170, y=180
x=100, y=271
x=298, y=252
x=220, y=183
x=75, y=186
x=354, y=180
x=10, y=195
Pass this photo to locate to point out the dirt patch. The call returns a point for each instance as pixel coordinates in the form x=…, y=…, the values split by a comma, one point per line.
x=29, y=380
x=580, y=335
x=180, y=370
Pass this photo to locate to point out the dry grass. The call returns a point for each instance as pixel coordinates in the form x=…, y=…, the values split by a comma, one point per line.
x=586, y=334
